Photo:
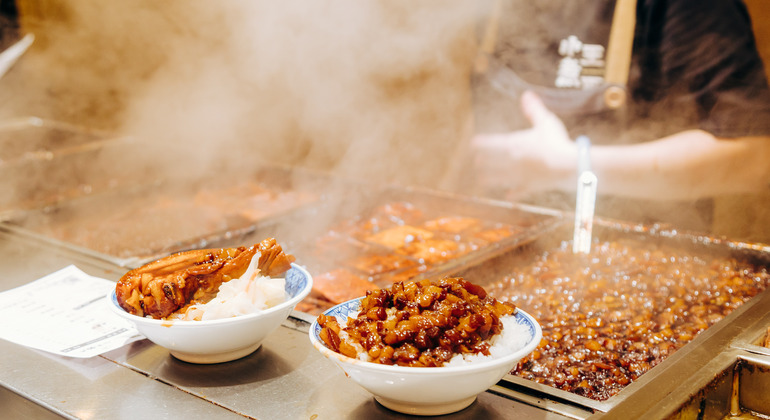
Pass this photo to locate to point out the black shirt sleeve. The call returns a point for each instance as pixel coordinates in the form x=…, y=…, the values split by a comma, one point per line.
x=9, y=24
x=698, y=58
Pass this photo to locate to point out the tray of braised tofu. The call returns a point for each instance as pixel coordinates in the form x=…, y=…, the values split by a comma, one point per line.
x=367, y=237
x=639, y=297
x=142, y=222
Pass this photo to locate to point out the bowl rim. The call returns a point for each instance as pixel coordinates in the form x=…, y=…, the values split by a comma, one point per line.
x=493, y=363
x=112, y=297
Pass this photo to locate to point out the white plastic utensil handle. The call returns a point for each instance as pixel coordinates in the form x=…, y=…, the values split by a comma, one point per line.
x=586, y=199
x=584, y=154
x=584, y=214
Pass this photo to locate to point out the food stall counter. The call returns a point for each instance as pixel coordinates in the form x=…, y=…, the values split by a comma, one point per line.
x=285, y=378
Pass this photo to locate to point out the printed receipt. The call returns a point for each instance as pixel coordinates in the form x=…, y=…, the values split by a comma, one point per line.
x=64, y=313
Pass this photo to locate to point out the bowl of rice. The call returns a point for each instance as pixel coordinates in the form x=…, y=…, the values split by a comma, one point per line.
x=415, y=373
x=233, y=324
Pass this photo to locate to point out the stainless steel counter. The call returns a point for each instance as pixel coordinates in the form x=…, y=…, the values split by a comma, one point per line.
x=285, y=379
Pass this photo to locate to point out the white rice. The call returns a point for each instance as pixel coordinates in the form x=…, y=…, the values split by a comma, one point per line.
x=512, y=338
x=251, y=293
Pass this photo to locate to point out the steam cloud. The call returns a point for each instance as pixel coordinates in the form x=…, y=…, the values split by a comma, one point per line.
x=373, y=90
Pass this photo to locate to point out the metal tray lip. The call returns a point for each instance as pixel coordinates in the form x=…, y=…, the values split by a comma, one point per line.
x=667, y=231
x=563, y=408
x=379, y=189
x=547, y=392
x=20, y=122
x=750, y=339
x=749, y=356
x=476, y=199
x=27, y=234
x=101, y=139
x=753, y=349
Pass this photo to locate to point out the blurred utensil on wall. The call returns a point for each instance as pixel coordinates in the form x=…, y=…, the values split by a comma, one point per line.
x=9, y=57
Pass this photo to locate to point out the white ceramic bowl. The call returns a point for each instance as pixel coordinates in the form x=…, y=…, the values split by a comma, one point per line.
x=220, y=340
x=420, y=390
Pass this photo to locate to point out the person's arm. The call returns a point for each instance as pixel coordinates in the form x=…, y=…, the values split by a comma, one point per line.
x=687, y=165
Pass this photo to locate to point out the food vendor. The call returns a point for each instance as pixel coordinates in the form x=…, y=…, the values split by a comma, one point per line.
x=672, y=94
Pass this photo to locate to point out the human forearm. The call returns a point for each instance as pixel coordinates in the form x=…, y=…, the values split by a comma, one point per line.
x=684, y=166
x=687, y=165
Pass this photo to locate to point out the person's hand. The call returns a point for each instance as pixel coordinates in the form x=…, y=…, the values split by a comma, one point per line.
x=540, y=158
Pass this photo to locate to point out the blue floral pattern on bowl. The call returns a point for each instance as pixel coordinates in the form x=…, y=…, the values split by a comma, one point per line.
x=296, y=281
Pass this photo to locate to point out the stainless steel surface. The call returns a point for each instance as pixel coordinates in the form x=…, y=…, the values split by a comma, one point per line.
x=38, y=384
x=285, y=379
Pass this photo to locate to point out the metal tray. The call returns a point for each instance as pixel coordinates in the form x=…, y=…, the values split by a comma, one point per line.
x=133, y=225
x=32, y=138
x=43, y=163
x=326, y=236
x=710, y=340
